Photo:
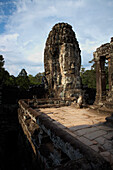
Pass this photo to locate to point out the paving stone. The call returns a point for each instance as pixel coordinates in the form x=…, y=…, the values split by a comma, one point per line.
x=109, y=136
x=106, y=155
x=108, y=145
x=101, y=148
x=74, y=128
x=95, y=148
x=95, y=134
x=80, y=124
x=77, y=118
x=85, y=141
x=101, y=140
x=86, y=130
x=94, y=142
x=98, y=124
x=105, y=128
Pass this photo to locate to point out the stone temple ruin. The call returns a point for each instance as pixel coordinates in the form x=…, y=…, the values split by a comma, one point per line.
x=103, y=53
x=104, y=98
x=56, y=135
x=62, y=61
x=62, y=137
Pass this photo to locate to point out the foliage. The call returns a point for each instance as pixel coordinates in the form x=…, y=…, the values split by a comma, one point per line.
x=10, y=81
x=1, y=62
x=33, y=80
x=4, y=75
x=39, y=77
x=88, y=77
x=22, y=80
x=36, y=80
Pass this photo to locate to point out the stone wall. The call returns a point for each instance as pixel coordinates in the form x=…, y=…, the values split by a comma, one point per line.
x=62, y=61
x=53, y=146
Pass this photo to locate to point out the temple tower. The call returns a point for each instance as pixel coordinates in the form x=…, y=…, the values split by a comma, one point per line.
x=62, y=61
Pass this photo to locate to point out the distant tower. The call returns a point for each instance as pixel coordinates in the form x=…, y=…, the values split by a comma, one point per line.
x=62, y=61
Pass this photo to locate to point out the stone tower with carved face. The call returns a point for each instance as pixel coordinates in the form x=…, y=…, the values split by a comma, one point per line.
x=62, y=61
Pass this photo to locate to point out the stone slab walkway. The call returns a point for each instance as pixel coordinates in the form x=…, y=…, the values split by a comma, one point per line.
x=87, y=126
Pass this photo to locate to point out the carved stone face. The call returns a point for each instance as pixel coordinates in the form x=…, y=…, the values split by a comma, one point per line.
x=62, y=60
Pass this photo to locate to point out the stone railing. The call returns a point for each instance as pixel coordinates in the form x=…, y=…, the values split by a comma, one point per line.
x=52, y=144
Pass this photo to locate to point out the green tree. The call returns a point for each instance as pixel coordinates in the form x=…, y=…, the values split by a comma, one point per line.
x=88, y=77
x=33, y=80
x=1, y=62
x=4, y=75
x=82, y=71
x=39, y=77
x=36, y=80
x=10, y=81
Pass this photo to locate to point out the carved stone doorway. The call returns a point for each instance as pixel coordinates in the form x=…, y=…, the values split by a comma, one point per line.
x=102, y=54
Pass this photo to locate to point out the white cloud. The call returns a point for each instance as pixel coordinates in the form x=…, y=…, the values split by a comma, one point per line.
x=27, y=28
x=9, y=41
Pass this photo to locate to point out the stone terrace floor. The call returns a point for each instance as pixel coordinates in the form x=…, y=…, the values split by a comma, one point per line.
x=87, y=126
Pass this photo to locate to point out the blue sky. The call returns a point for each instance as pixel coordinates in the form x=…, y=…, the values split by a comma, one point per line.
x=25, y=25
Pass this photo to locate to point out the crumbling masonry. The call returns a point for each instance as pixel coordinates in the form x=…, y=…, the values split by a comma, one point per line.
x=104, y=52
x=62, y=61
x=62, y=145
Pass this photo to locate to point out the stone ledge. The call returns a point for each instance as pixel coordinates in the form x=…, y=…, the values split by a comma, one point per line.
x=67, y=143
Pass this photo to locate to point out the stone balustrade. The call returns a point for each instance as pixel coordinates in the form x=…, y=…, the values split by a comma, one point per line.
x=51, y=143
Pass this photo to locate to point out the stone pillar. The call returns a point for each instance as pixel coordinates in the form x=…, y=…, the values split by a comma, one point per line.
x=100, y=81
x=103, y=80
x=110, y=70
x=97, y=81
x=111, y=76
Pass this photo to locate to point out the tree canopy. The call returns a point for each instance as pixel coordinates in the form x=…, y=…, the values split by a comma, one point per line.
x=88, y=78
x=1, y=62
x=4, y=75
x=24, y=81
